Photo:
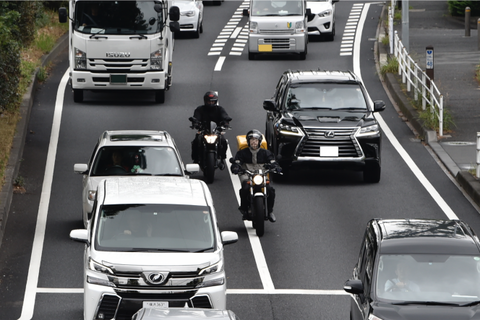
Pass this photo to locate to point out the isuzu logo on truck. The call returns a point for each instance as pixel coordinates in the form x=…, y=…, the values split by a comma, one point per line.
x=117, y=54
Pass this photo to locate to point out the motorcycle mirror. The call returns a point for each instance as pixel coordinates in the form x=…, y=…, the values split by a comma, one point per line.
x=231, y=160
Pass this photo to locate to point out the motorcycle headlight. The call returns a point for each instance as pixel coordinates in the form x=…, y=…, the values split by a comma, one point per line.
x=156, y=60
x=369, y=130
x=289, y=130
x=253, y=27
x=80, y=59
x=210, y=138
x=325, y=13
x=258, y=179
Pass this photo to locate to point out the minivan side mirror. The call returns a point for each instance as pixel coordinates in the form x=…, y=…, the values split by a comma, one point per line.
x=229, y=237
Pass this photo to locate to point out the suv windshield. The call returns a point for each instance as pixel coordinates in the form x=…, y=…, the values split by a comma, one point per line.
x=154, y=227
x=429, y=278
x=332, y=96
x=136, y=160
x=117, y=17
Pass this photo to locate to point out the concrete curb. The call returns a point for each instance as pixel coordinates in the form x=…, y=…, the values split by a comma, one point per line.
x=16, y=154
x=392, y=84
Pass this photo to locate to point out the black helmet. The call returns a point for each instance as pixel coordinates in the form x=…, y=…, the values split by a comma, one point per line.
x=210, y=98
x=254, y=134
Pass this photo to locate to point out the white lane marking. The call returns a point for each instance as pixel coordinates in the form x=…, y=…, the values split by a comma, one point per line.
x=393, y=140
x=236, y=32
x=219, y=64
x=37, y=249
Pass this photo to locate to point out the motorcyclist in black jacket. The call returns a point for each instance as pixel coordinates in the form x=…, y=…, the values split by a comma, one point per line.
x=210, y=111
x=253, y=158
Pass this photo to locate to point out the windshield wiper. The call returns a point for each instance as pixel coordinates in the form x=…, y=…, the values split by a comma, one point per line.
x=96, y=34
x=203, y=250
x=315, y=108
x=162, y=250
x=428, y=303
x=363, y=109
x=139, y=36
x=469, y=304
x=168, y=175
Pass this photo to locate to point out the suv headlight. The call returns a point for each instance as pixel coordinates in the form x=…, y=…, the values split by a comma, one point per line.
x=325, y=13
x=156, y=60
x=299, y=27
x=289, y=130
x=188, y=13
x=253, y=27
x=369, y=130
x=80, y=59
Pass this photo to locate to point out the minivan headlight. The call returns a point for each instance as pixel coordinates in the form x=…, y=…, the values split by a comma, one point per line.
x=211, y=275
x=299, y=27
x=216, y=267
x=96, y=266
x=253, y=27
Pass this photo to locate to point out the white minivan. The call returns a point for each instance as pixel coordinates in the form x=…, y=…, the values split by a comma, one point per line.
x=277, y=27
x=152, y=242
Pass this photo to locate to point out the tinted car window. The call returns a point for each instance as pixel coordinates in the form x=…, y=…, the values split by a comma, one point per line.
x=156, y=227
x=136, y=160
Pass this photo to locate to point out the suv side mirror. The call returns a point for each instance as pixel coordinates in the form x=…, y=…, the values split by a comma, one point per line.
x=378, y=105
x=269, y=105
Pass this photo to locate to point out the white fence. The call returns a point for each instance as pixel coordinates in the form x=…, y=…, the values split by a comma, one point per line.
x=424, y=88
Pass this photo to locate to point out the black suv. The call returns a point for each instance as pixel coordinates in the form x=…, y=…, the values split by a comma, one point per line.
x=416, y=269
x=324, y=117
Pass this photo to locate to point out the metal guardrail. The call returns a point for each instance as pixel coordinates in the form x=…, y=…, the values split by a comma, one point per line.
x=424, y=87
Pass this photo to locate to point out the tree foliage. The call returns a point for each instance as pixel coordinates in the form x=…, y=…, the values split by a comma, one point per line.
x=457, y=8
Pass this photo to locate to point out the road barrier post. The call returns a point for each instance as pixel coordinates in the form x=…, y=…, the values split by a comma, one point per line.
x=467, y=21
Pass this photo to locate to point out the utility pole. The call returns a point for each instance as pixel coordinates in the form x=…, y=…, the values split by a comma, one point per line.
x=405, y=25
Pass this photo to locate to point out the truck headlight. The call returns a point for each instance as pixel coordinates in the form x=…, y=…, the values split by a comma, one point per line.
x=369, y=130
x=299, y=27
x=289, y=130
x=80, y=59
x=156, y=59
x=253, y=27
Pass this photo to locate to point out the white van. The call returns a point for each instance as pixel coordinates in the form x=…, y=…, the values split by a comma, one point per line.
x=277, y=27
x=152, y=242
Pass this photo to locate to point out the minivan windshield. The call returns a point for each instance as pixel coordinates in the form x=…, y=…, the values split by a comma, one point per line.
x=117, y=17
x=154, y=228
x=432, y=278
x=276, y=8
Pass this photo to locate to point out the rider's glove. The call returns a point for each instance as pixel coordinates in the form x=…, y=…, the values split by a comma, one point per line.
x=235, y=168
x=276, y=167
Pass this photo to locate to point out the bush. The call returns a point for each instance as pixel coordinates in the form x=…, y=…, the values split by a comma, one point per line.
x=457, y=8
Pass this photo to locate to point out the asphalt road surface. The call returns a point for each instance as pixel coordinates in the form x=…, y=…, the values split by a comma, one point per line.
x=297, y=269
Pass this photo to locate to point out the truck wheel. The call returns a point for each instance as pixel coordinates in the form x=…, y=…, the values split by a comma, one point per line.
x=77, y=95
x=160, y=96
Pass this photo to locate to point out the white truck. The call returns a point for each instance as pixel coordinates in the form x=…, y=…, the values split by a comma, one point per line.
x=277, y=27
x=121, y=45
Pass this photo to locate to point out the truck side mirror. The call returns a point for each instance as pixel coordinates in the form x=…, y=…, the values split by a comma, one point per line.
x=174, y=13
x=245, y=13
x=174, y=26
x=62, y=15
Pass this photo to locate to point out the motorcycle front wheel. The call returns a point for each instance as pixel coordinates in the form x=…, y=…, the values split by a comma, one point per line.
x=259, y=216
x=209, y=172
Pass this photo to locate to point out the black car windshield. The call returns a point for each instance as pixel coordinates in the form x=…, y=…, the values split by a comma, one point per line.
x=332, y=96
x=154, y=228
x=136, y=160
x=277, y=8
x=428, y=278
x=117, y=17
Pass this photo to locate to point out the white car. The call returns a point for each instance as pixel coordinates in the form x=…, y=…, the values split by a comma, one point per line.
x=191, y=16
x=322, y=20
x=153, y=242
x=184, y=314
x=138, y=152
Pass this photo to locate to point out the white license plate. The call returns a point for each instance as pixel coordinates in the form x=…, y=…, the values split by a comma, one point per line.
x=328, y=151
x=155, y=304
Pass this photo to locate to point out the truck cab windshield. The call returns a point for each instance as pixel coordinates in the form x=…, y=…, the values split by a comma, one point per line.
x=276, y=8
x=117, y=17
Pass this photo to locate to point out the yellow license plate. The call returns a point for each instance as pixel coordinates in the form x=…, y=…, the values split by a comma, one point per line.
x=265, y=48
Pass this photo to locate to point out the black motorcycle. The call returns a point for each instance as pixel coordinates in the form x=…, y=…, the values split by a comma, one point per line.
x=257, y=206
x=210, y=136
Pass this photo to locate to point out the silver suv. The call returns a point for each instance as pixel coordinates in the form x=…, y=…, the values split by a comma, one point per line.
x=130, y=153
x=153, y=242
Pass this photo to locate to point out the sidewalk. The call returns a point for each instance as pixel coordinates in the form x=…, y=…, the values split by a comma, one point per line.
x=455, y=59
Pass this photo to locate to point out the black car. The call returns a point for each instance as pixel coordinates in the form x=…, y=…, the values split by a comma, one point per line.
x=413, y=269
x=326, y=118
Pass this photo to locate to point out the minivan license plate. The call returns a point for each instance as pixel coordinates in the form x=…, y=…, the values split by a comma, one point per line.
x=155, y=304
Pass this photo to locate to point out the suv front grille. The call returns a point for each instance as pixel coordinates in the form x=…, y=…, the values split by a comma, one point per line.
x=343, y=138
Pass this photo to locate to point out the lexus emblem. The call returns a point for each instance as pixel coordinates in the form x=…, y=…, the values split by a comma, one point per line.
x=155, y=277
x=329, y=134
